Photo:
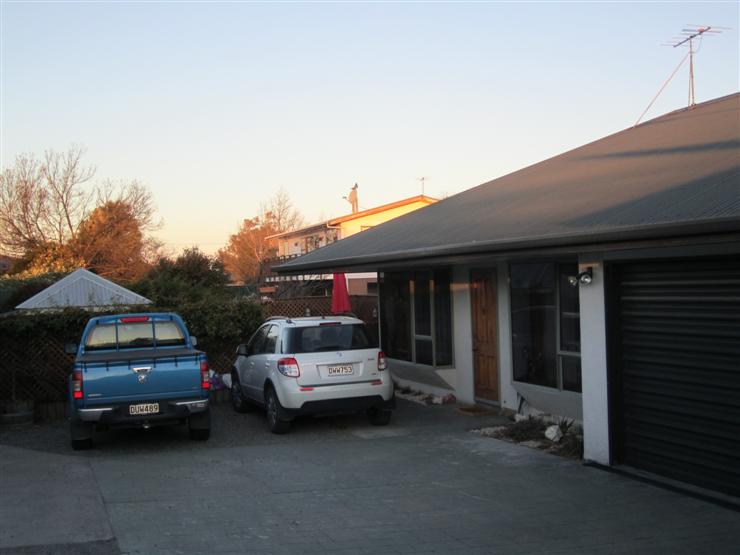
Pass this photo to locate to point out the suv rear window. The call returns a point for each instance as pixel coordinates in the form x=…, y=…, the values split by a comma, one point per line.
x=134, y=336
x=329, y=337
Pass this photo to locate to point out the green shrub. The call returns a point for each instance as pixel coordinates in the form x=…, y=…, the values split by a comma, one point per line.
x=13, y=291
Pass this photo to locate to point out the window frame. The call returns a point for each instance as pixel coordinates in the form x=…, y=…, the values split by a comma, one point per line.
x=559, y=351
x=410, y=276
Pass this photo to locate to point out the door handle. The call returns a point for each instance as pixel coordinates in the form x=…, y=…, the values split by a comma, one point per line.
x=267, y=364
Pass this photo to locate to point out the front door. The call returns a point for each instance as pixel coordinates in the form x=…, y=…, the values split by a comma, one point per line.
x=485, y=333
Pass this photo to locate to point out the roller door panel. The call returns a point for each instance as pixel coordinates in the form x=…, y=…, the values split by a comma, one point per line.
x=675, y=346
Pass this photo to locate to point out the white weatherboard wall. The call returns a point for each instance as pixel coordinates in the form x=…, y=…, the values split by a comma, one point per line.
x=462, y=335
x=593, y=364
x=508, y=394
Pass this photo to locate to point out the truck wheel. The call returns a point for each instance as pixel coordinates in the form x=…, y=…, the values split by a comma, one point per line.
x=238, y=402
x=275, y=417
x=199, y=425
x=81, y=434
x=379, y=417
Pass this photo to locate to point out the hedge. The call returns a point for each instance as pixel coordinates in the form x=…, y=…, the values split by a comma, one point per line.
x=32, y=354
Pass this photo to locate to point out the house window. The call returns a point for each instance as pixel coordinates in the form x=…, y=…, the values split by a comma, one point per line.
x=416, y=317
x=545, y=321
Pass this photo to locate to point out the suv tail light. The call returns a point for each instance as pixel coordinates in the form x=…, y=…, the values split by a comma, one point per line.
x=77, y=384
x=382, y=364
x=205, y=378
x=289, y=367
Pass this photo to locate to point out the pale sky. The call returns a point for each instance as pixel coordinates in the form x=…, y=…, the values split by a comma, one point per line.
x=215, y=106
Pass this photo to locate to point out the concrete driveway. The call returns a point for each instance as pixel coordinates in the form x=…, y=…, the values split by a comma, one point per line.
x=424, y=484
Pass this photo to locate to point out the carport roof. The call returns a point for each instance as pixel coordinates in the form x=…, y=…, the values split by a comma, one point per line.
x=676, y=175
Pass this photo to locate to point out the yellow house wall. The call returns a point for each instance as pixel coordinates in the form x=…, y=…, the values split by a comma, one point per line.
x=287, y=245
x=359, y=224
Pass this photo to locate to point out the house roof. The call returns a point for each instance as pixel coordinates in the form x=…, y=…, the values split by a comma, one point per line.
x=354, y=216
x=82, y=288
x=675, y=175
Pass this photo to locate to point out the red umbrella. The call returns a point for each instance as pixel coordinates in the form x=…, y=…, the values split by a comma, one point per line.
x=339, y=295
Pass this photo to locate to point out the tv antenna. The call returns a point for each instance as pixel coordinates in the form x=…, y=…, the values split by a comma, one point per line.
x=686, y=37
x=423, y=183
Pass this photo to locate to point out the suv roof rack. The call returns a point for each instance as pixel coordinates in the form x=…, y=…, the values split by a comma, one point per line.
x=279, y=318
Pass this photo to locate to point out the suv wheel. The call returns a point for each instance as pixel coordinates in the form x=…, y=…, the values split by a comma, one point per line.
x=275, y=418
x=238, y=402
x=379, y=417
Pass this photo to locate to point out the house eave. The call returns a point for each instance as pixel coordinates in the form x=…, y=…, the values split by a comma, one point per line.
x=577, y=242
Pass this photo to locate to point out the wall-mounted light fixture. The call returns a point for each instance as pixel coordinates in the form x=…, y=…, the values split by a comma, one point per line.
x=584, y=278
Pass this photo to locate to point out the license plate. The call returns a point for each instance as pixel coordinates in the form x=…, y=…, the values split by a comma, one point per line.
x=341, y=370
x=144, y=408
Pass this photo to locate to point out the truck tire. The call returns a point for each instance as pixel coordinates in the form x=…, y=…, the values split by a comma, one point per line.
x=81, y=434
x=238, y=402
x=275, y=418
x=199, y=425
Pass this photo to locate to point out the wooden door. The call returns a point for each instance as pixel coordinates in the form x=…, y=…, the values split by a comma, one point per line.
x=485, y=334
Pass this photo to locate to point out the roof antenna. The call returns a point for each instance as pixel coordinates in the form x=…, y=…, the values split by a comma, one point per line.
x=423, y=182
x=687, y=37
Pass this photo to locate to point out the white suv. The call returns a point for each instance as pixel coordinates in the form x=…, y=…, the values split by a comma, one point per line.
x=296, y=366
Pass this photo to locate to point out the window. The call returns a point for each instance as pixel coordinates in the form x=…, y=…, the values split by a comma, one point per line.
x=314, y=339
x=270, y=341
x=395, y=321
x=135, y=335
x=545, y=321
x=416, y=317
x=101, y=337
x=254, y=347
x=168, y=334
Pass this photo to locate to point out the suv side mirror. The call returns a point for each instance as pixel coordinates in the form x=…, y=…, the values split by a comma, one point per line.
x=193, y=340
x=70, y=348
x=241, y=350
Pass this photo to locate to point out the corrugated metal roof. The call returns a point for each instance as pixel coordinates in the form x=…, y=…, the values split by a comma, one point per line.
x=82, y=288
x=676, y=174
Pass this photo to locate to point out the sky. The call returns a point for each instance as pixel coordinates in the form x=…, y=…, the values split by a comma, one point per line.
x=216, y=106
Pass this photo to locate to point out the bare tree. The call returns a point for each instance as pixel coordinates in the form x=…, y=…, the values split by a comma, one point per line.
x=280, y=214
x=134, y=195
x=51, y=217
x=42, y=201
x=249, y=247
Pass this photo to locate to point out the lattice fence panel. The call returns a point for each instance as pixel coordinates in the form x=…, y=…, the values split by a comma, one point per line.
x=37, y=368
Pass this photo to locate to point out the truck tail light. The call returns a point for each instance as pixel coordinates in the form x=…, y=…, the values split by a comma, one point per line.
x=134, y=319
x=289, y=367
x=382, y=364
x=77, y=384
x=205, y=378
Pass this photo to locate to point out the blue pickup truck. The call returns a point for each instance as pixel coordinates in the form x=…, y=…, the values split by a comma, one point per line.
x=137, y=370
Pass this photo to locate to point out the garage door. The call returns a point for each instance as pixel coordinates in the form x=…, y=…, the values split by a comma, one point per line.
x=675, y=360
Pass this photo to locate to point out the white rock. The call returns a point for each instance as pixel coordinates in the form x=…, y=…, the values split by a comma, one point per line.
x=519, y=417
x=554, y=433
